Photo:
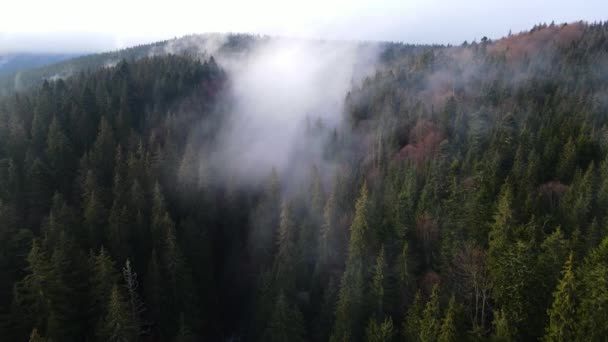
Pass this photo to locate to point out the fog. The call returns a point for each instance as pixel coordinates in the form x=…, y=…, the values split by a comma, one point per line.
x=286, y=96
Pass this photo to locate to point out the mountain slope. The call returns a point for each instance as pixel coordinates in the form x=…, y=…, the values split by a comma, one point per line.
x=453, y=193
x=11, y=63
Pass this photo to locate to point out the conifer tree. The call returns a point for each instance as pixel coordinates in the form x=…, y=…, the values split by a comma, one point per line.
x=379, y=332
x=30, y=301
x=562, y=314
x=104, y=276
x=118, y=325
x=103, y=152
x=328, y=240
x=285, y=261
x=430, y=322
x=350, y=299
x=266, y=222
x=449, y=329
x=592, y=309
x=35, y=336
x=59, y=154
x=184, y=333
x=154, y=290
x=377, y=288
x=502, y=332
x=285, y=323
x=134, y=303
x=94, y=211
x=411, y=325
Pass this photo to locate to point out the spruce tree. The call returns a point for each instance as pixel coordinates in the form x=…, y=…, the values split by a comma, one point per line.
x=118, y=324
x=286, y=323
x=349, y=309
x=449, y=328
x=379, y=332
x=562, y=314
x=502, y=331
x=411, y=325
x=378, y=284
x=430, y=322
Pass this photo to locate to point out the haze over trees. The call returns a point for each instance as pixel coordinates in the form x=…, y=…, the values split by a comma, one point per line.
x=459, y=194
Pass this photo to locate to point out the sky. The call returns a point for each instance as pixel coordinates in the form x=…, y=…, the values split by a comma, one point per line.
x=73, y=26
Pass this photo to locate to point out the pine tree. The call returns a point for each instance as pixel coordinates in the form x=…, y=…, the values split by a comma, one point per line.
x=120, y=218
x=377, y=288
x=430, y=322
x=135, y=305
x=154, y=289
x=350, y=299
x=379, y=332
x=39, y=191
x=31, y=301
x=449, y=329
x=35, y=336
x=94, y=211
x=567, y=162
x=286, y=323
x=502, y=331
x=329, y=250
x=285, y=261
x=104, y=276
x=184, y=333
x=179, y=295
x=592, y=298
x=160, y=219
x=118, y=325
x=411, y=325
x=103, y=152
x=562, y=315
x=403, y=271
x=60, y=156
x=266, y=222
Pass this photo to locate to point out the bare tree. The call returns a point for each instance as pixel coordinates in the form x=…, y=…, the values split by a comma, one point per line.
x=470, y=277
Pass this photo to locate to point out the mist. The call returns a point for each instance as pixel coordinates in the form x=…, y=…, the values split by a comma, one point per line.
x=287, y=96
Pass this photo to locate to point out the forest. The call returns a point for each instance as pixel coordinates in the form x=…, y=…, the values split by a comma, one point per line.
x=459, y=193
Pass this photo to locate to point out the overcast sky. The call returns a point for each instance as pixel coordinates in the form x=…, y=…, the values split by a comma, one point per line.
x=89, y=26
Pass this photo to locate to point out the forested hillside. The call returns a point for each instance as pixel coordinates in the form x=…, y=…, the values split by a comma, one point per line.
x=462, y=195
x=197, y=46
x=11, y=62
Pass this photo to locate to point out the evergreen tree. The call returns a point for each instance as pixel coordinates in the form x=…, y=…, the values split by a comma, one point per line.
x=430, y=323
x=102, y=153
x=592, y=296
x=502, y=331
x=134, y=303
x=153, y=290
x=184, y=334
x=60, y=156
x=449, y=329
x=411, y=325
x=377, y=288
x=118, y=325
x=285, y=261
x=104, y=277
x=350, y=299
x=285, y=323
x=562, y=315
x=379, y=332
x=35, y=336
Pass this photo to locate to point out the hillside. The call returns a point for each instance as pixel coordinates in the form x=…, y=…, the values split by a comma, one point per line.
x=289, y=190
x=11, y=63
x=30, y=71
